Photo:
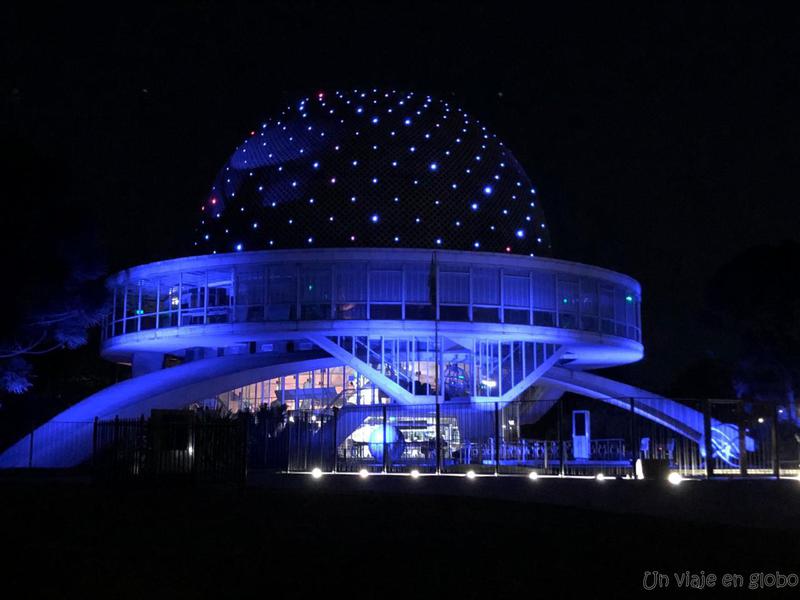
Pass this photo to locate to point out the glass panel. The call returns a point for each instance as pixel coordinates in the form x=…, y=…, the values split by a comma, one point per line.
x=351, y=311
x=385, y=311
x=418, y=284
x=486, y=286
x=385, y=286
x=453, y=287
x=630, y=308
x=220, y=295
x=588, y=296
x=544, y=291
x=567, y=303
x=588, y=307
x=485, y=315
x=419, y=312
x=487, y=363
x=315, y=285
x=619, y=310
x=516, y=291
x=506, y=358
x=351, y=291
x=516, y=316
x=119, y=300
x=132, y=306
x=351, y=283
x=168, y=301
x=315, y=293
x=250, y=295
x=282, y=293
x=149, y=300
x=606, y=302
x=454, y=313
x=193, y=298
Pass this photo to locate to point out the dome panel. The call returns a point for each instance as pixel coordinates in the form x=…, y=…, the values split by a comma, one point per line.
x=372, y=169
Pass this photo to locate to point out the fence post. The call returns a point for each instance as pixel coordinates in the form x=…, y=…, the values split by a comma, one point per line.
x=140, y=447
x=116, y=446
x=561, y=436
x=438, y=440
x=94, y=444
x=742, y=442
x=707, y=439
x=335, y=446
x=496, y=438
x=197, y=425
x=288, y=437
x=307, y=421
x=385, y=453
x=776, y=460
x=546, y=445
x=265, y=424
x=634, y=437
x=244, y=431
x=30, y=448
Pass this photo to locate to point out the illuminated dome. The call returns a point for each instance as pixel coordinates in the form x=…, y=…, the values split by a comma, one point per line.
x=372, y=169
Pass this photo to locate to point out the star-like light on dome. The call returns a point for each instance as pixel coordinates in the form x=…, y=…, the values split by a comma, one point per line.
x=290, y=164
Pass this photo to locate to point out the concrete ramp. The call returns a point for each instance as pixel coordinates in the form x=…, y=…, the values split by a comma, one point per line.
x=673, y=415
x=66, y=440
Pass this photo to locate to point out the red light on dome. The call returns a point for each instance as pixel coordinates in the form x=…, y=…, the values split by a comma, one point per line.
x=252, y=132
x=213, y=201
x=320, y=95
x=508, y=248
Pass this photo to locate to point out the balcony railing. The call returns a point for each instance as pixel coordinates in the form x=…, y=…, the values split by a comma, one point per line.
x=547, y=293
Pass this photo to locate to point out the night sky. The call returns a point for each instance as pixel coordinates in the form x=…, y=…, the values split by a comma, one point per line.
x=662, y=141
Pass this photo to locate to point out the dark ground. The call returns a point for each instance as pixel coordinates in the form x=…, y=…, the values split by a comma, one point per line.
x=63, y=538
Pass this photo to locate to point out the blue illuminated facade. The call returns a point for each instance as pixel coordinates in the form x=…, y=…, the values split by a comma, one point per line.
x=368, y=249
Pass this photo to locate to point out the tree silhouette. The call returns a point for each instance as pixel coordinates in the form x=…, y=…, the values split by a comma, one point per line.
x=753, y=296
x=52, y=271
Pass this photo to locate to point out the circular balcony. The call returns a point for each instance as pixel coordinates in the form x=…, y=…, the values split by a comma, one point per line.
x=255, y=299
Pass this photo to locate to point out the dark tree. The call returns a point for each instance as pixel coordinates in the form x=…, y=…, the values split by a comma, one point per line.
x=53, y=273
x=754, y=296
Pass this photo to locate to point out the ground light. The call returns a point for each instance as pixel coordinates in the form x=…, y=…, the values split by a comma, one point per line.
x=363, y=473
x=533, y=476
x=414, y=473
x=674, y=478
x=470, y=474
x=600, y=477
x=316, y=473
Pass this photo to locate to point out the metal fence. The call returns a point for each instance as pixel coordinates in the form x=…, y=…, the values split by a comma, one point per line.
x=177, y=445
x=572, y=436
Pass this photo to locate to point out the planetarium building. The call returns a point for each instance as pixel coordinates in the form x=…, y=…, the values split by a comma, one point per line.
x=384, y=256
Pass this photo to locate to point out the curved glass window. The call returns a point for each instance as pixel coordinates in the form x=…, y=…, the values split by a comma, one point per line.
x=358, y=290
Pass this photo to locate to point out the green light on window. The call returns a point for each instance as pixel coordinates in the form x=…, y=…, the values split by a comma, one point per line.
x=628, y=298
x=140, y=312
x=565, y=300
x=310, y=287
